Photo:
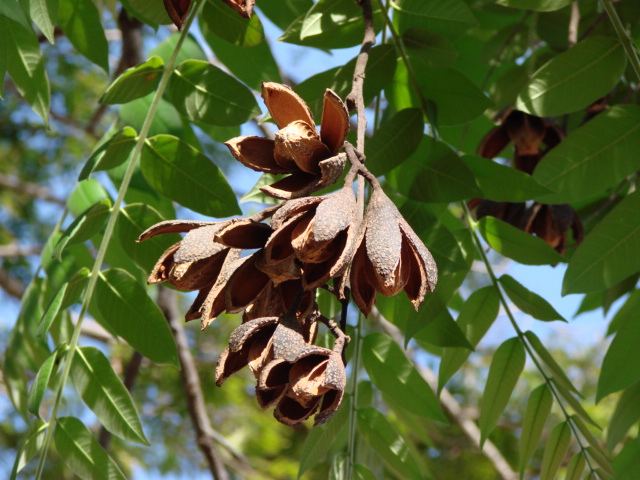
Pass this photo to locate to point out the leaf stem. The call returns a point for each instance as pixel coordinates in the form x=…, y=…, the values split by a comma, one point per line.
x=520, y=334
x=111, y=222
x=353, y=406
x=623, y=36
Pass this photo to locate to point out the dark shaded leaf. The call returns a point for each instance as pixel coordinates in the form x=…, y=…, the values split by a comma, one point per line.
x=529, y=302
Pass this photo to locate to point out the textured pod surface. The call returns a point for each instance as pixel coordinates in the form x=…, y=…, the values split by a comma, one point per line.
x=285, y=105
x=299, y=142
x=199, y=244
x=257, y=153
x=335, y=213
x=172, y=226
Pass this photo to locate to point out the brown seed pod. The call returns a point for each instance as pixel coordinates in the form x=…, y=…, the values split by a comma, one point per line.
x=243, y=7
x=177, y=11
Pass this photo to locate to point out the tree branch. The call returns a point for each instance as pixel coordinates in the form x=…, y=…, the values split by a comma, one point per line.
x=15, y=250
x=452, y=406
x=29, y=189
x=192, y=386
x=10, y=285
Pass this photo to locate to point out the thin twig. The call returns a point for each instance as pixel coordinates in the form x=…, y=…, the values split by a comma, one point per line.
x=192, y=385
x=29, y=189
x=574, y=24
x=451, y=405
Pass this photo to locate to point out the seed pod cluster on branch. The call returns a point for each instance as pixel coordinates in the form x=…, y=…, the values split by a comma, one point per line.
x=532, y=137
x=305, y=243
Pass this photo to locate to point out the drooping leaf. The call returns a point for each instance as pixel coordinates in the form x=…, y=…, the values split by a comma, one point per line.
x=80, y=20
x=183, y=174
x=85, y=226
x=529, y=302
x=501, y=183
x=82, y=453
x=402, y=386
x=625, y=415
x=231, y=27
x=134, y=82
x=389, y=444
x=627, y=462
x=284, y=13
x=134, y=219
x=40, y=13
x=40, y=383
x=21, y=57
x=85, y=194
x=572, y=80
x=323, y=438
x=124, y=304
x=607, y=254
x=576, y=467
x=555, y=450
x=395, y=140
x=103, y=392
x=517, y=244
x=594, y=157
x=204, y=93
x=33, y=440
x=432, y=49
x=329, y=24
x=151, y=12
x=556, y=370
x=538, y=409
x=476, y=316
x=616, y=373
x=439, y=329
x=506, y=366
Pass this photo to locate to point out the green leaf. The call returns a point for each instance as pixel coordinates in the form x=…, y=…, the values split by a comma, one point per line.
x=608, y=254
x=517, y=244
x=572, y=80
x=166, y=120
x=506, y=366
x=501, y=183
x=594, y=157
x=225, y=22
x=149, y=11
x=434, y=173
x=476, y=316
x=14, y=11
x=615, y=373
x=33, y=440
x=424, y=46
x=132, y=221
x=395, y=140
x=322, y=438
x=625, y=415
x=134, y=82
x=66, y=296
x=40, y=383
x=252, y=65
x=41, y=16
x=538, y=409
x=529, y=302
x=82, y=453
x=85, y=226
x=103, y=392
x=627, y=462
x=398, y=380
x=117, y=150
x=85, y=194
x=576, y=467
x=283, y=13
x=362, y=473
x=555, y=451
x=25, y=64
x=436, y=326
x=330, y=24
x=124, y=304
x=80, y=20
x=556, y=370
x=205, y=93
x=389, y=444
x=183, y=174
x=455, y=11
x=536, y=5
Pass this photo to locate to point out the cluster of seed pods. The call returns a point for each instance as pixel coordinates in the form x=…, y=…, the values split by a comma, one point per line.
x=269, y=266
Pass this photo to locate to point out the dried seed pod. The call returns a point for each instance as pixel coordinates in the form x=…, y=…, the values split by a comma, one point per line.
x=248, y=345
x=245, y=284
x=177, y=11
x=310, y=158
x=215, y=302
x=390, y=258
x=243, y=233
x=243, y=7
